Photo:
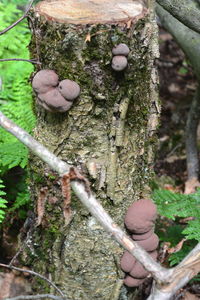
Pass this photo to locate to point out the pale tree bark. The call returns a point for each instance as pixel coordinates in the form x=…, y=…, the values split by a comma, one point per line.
x=108, y=134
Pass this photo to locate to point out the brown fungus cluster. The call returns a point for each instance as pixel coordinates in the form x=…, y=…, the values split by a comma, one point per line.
x=120, y=53
x=53, y=95
x=139, y=220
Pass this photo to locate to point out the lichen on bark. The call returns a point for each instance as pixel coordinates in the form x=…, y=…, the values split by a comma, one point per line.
x=108, y=134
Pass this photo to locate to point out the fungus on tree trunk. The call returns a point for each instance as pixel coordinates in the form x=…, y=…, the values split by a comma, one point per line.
x=110, y=126
x=52, y=95
x=121, y=49
x=140, y=219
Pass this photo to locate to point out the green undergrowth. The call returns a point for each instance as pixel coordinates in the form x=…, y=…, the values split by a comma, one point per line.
x=3, y=202
x=15, y=103
x=177, y=207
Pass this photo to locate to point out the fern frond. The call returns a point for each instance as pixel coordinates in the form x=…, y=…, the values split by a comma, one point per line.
x=176, y=257
x=192, y=231
x=13, y=154
x=16, y=95
x=3, y=202
x=172, y=205
x=22, y=199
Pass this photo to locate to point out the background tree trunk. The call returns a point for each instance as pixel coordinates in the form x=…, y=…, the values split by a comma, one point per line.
x=108, y=133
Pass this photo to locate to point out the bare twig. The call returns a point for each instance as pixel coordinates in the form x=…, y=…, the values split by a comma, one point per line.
x=54, y=162
x=168, y=281
x=30, y=297
x=35, y=274
x=184, y=272
x=88, y=200
x=32, y=61
x=19, y=20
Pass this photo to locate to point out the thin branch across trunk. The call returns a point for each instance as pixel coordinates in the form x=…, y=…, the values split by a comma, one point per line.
x=35, y=297
x=20, y=19
x=21, y=59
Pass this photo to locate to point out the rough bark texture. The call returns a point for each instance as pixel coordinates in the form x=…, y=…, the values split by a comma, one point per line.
x=108, y=133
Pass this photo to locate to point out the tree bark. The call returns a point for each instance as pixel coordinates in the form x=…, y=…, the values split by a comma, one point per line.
x=109, y=134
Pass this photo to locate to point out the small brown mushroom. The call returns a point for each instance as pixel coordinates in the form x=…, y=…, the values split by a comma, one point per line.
x=139, y=226
x=154, y=254
x=132, y=282
x=44, y=105
x=69, y=89
x=54, y=101
x=149, y=244
x=119, y=63
x=140, y=216
x=141, y=237
x=44, y=80
x=127, y=262
x=139, y=271
x=121, y=49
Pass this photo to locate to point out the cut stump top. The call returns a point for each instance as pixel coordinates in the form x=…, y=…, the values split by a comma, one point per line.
x=90, y=11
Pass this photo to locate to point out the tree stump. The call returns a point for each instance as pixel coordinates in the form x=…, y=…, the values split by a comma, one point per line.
x=108, y=134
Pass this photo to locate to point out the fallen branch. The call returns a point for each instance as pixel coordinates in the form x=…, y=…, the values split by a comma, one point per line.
x=89, y=201
x=19, y=20
x=30, y=297
x=168, y=281
x=32, y=61
x=34, y=274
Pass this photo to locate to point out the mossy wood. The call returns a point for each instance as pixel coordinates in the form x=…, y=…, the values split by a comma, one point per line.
x=108, y=134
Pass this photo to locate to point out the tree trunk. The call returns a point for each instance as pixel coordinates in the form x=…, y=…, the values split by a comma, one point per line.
x=108, y=134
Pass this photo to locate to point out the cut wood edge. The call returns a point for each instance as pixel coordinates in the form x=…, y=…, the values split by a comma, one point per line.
x=81, y=12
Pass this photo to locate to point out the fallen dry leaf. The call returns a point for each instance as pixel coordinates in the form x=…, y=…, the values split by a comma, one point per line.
x=177, y=248
x=88, y=38
x=12, y=285
x=186, y=220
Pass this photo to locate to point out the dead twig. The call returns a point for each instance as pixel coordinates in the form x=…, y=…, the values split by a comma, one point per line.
x=94, y=207
x=20, y=19
x=32, y=61
x=30, y=297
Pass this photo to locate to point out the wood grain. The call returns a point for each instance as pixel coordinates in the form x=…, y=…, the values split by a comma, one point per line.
x=91, y=11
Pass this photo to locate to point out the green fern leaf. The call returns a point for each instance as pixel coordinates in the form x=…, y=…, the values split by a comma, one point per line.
x=3, y=202
x=22, y=199
x=172, y=205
